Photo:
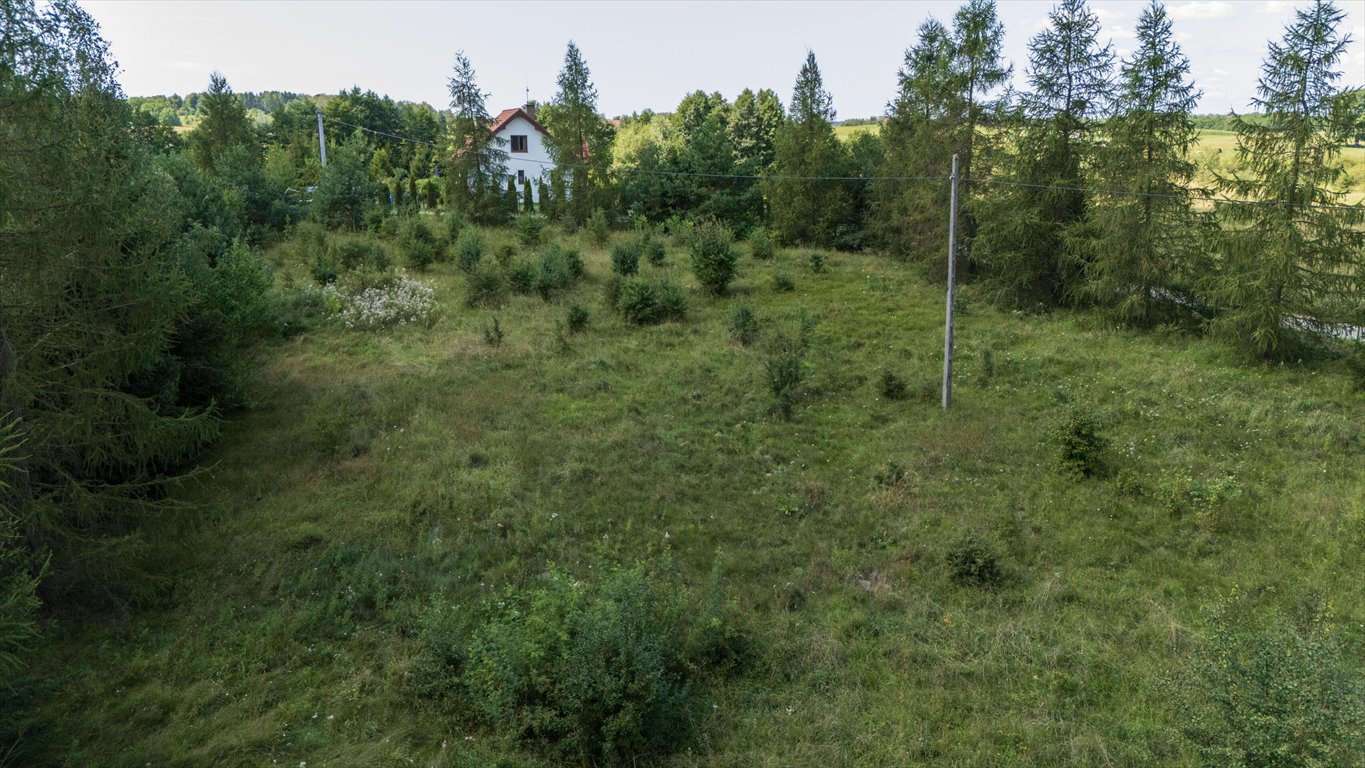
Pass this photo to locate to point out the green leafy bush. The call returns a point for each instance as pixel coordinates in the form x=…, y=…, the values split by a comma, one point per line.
x=522, y=277
x=817, y=262
x=625, y=259
x=972, y=561
x=468, y=250
x=553, y=275
x=418, y=246
x=713, y=256
x=484, y=287
x=891, y=385
x=783, y=283
x=785, y=368
x=597, y=674
x=598, y=230
x=743, y=325
x=1258, y=697
x=355, y=254
x=762, y=244
x=577, y=320
x=530, y=228
x=648, y=302
x=1080, y=447
x=651, y=247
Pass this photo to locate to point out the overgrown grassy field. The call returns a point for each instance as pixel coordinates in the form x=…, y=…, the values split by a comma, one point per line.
x=382, y=475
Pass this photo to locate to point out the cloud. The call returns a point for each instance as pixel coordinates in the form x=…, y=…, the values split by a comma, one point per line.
x=1200, y=9
x=1275, y=6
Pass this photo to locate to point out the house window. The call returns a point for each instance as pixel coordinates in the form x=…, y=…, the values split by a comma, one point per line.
x=518, y=143
x=521, y=177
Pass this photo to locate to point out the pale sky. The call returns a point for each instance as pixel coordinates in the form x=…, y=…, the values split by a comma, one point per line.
x=642, y=54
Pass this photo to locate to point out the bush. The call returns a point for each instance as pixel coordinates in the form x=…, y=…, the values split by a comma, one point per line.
x=651, y=247
x=891, y=385
x=680, y=230
x=784, y=368
x=553, y=274
x=418, y=246
x=817, y=262
x=1257, y=697
x=598, y=231
x=783, y=283
x=468, y=250
x=713, y=256
x=625, y=259
x=522, y=277
x=454, y=224
x=972, y=561
x=484, y=287
x=762, y=244
x=1080, y=447
x=507, y=253
x=648, y=302
x=323, y=267
x=402, y=301
x=361, y=254
x=530, y=228
x=611, y=291
x=577, y=320
x=596, y=674
x=743, y=325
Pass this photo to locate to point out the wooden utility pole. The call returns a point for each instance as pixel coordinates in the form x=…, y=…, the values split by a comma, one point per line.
x=952, y=286
x=322, y=141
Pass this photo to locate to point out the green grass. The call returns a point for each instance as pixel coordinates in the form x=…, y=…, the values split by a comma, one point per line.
x=384, y=470
x=849, y=132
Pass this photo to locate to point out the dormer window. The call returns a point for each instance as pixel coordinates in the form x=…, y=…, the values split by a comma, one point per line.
x=518, y=143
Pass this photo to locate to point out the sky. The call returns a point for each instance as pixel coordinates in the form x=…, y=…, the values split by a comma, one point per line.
x=645, y=54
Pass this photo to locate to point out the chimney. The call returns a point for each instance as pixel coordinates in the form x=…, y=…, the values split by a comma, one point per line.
x=530, y=109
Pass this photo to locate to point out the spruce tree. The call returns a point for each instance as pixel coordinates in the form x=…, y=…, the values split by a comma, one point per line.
x=1144, y=250
x=580, y=140
x=1292, y=258
x=753, y=122
x=803, y=207
x=478, y=159
x=1028, y=223
x=223, y=124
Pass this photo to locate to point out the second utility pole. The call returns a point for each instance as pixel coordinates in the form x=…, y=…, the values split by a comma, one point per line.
x=952, y=279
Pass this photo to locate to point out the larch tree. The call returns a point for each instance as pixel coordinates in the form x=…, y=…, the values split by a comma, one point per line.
x=980, y=72
x=1292, y=253
x=478, y=159
x=1144, y=248
x=806, y=204
x=1027, y=222
x=580, y=140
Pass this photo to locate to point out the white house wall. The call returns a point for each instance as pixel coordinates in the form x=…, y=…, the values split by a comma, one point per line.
x=535, y=161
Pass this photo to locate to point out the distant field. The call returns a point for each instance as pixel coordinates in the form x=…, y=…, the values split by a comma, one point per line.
x=847, y=132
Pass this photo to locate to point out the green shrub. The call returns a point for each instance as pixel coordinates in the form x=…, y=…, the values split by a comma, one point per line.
x=743, y=325
x=972, y=561
x=651, y=247
x=597, y=675
x=680, y=230
x=1080, y=447
x=783, y=283
x=1355, y=366
x=1208, y=501
x=418, y=246
x=611, y=291
x=361, y=254
x=1256, y=697
x=762, y=244
x=713, y=256
x=469, y=250
x=648, y=302
x=625, y=259
x=484, y=287
x=521, y=278
x=889, y=476
x=817, y=262
x=454, y=224
x=388, y=228
x=785, y=370
x=577, y=320
x=553, y=274
x=891, y=385
x=506, y=254
x=530, y=228
x=597, y=228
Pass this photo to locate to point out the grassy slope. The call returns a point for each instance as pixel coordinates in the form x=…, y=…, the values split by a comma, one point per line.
x=292, y=611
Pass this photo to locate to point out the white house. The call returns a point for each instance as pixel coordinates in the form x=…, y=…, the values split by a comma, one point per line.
x=525, y=141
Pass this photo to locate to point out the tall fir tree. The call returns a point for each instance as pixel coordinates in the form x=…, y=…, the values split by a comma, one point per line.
x=1292, y=259
x=1145, y=250
x=806, y=206
x=1027, y=224
x=580, y=139
x=980, y=71
x=223, y=124
x=478, y=159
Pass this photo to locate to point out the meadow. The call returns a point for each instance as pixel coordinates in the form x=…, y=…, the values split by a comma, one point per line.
x=386, y=478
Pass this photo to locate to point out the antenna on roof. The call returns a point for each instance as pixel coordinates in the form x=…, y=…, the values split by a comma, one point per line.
x=527, y=80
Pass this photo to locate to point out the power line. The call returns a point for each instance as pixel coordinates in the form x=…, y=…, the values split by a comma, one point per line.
x=1157, y=195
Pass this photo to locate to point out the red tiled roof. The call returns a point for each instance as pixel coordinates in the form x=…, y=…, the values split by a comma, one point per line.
x=504, y=117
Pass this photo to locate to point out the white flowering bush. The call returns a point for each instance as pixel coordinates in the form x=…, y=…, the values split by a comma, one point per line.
x=397, y=301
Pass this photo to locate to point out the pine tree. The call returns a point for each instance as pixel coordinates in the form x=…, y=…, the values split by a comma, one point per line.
x=1286, y=261
x=1027, y=223
x=1144, y=251
x=478, y=160
x=808, y=210
x=223, y=124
